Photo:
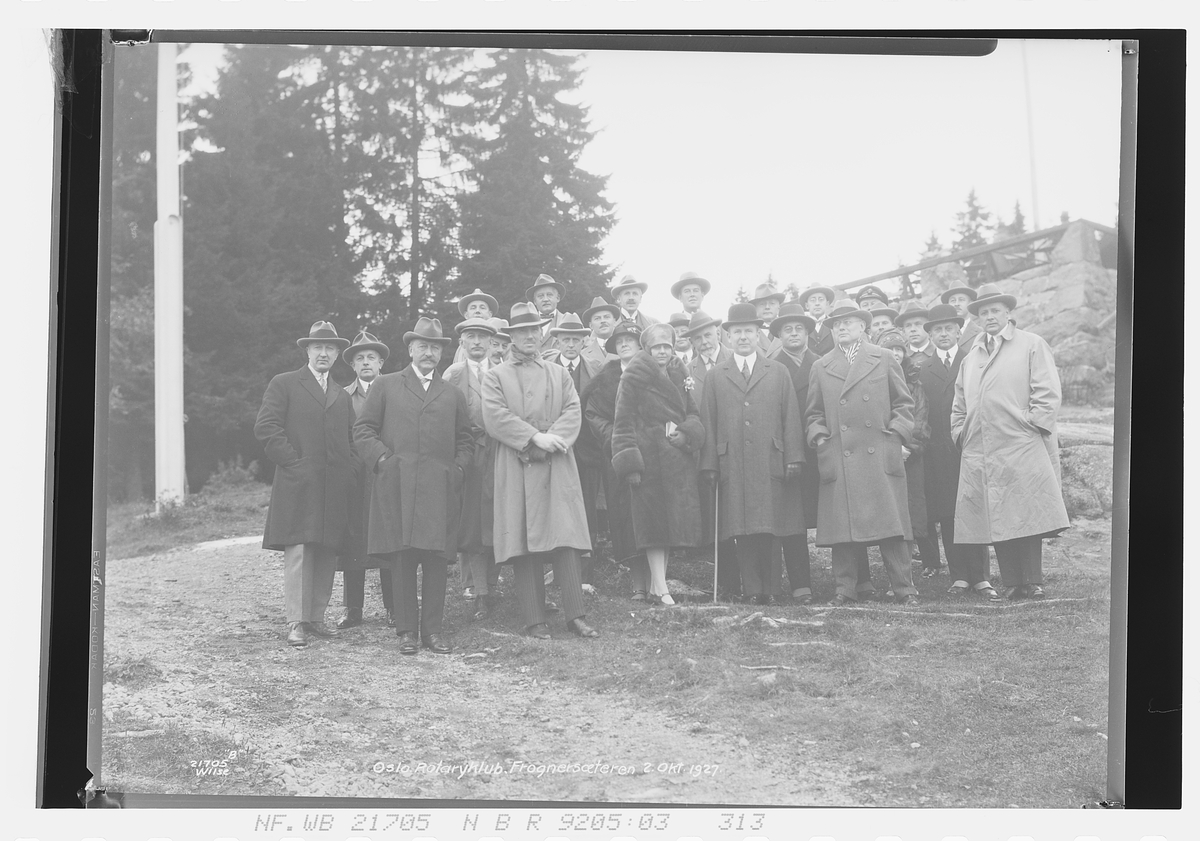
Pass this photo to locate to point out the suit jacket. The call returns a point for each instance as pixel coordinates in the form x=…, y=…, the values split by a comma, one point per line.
x=587, y=448
x=418, y=444
x=306, y=432
x=810, y=477
x=768, y=344
x=475, y=515
x=820, y=341
x=699, y=372
x=594, y=353
x=967, y=338
x=942, y=455
x=355, y=557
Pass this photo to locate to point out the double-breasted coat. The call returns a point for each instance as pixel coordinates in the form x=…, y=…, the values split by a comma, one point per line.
x=666, y=503
x=538, y=504
x=753, y=430
x=1005, y=419
x=475, y=516
x=306, y=432
x=426, y=437
x=810, y=477
x=942, y=456
x=865, y=409
x=599, y=401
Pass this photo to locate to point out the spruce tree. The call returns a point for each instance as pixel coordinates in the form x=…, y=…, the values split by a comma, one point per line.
x=974, y=224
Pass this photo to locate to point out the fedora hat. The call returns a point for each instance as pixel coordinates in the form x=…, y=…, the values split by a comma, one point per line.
x=766, y=292
x=525, y=314
x=990, y=293
x=478, y=295
x=484, y=324
x=429, y=330
x=700, y=321
x=500, y=325
x=791, y=312
x=940, y=313
x=690, y=277
x=322, y=331
x=959, y=290
x=544, y=280
x=600, y=305
x=829, y=294
x=627, y=282
x=570, y=325
x=913, y=310
x=365, y=341
x=679, y=320
x=743, y=314
x=870, y=291
x=846, y=309
x=888, y=311
x=623, y=328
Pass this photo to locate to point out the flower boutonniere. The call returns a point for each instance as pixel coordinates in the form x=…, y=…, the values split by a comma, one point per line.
x=689, y=384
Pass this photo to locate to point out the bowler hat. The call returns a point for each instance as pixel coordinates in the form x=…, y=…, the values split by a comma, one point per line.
x=484, y=324
x=429, y=330
x=623, y=328
x=500, y=325
x=600, y=305
x=700, y=321
x=845, y=309
x=544, y=280
x=570, y=325
x=870, y=292
x=913, y=310
x=829, y=294
x=478, y=295
x=791, y=312
x=940, y=313
x=690, y=277
x=658, y=334
x=322, y=331
x=365, y=341
x=525, y=314
x=627, y=282
x=766, y=292
x=743, y=314
x=990, y=293
x=959, y=290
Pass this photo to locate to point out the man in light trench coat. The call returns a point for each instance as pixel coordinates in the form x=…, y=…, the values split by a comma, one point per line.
x=1006, y=402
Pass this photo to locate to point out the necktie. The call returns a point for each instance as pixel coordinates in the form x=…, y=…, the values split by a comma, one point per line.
x=946, y=358
x=991, y=345
x=321, y=380
x=746, y=371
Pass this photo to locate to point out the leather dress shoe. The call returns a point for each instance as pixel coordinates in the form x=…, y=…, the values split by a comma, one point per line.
x=408, y=642
x=803, y=600
x=320, y=629
x=538, y=631
x=581, y=628
x=760, y=599
x=1035, y=591
x=551, y=607
x=907, y=600
x=839, y=600
x=486, y=605
x=296, y=637
x=1016, y=593
x=352, y=618
x=436, y=643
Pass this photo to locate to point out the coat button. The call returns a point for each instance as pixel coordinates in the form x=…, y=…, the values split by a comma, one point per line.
x=843, y=427
x=843, y=401
x=866, y=397
x=868, y=424
x=846, y=453
x=747, y=423
x=747, y=402
x=870, y=450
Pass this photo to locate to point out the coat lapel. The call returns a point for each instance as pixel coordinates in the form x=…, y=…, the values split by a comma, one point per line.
x=864, y=363
x=412, y=383
x=836, y=364
x=760, y=366
x=311, y=385
x=331, y=392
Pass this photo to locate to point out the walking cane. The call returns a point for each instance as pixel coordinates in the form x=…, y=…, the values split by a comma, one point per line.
x=716, y=535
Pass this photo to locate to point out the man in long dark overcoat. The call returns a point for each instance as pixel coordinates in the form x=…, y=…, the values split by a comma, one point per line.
x=415, y=434
x=967, y=563
x=366, y=356
x=859, y=417
x=305, y=428
x=753, y=445
x=792, y=328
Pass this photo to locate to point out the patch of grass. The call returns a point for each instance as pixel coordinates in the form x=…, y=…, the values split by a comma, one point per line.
x=134, y=674
x=172, y=761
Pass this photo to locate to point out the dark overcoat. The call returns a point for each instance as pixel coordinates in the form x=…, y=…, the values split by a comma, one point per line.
x=666, y=503
x=426, y=437
x=866, y=410
x=914, y=465
x=307, y=433
x=356, y=557
x=752, y=431
x=942, y=455
x=810, y=478
x=700, y=373
x=599, y=400
x=475, y=516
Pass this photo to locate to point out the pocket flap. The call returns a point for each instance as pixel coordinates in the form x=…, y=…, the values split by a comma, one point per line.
x=778, y=444
x=722, y=447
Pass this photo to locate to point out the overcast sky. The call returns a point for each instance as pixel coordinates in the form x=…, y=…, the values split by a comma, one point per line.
x=831, y=168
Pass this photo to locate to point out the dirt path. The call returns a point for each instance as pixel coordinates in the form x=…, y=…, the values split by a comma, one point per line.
x=204, y=627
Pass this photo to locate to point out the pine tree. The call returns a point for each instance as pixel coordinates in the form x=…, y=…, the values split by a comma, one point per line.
x=1011, y=229
x=974, y=224
x=933, y=247
x=533, y=209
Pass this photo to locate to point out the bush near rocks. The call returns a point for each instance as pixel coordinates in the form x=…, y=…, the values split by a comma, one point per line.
x=1087, y=479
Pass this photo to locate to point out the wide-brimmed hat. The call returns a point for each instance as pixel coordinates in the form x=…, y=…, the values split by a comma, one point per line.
x=788, y=313
x=600, y=305
x=829, y=294
x=658, y=334
x=429, y=330
x=544, y=280
x=322, y=331
x=766, y=292
x=940, y=313
x=846, y=309
x=623, y=328
x=888, y=311
x=913, y=310
x=890, y=339
x=627, y=282
x=366, y=341
x=743, y=314
x=959, y=290
x=700, y=321
x=870, y=291
x=525, y=314
x=990, y=293
x=690, y=277
x=501, y=326
x=484, y=324
x=478, y=295
x=679, y=320
x=570, y=325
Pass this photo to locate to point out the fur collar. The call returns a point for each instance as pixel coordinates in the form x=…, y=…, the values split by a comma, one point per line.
x=659, y=392
x=602, y=388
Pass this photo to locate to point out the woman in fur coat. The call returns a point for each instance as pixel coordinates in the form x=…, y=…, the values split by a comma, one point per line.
x=656, y=433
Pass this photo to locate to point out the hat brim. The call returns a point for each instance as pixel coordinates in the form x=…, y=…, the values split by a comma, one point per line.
x=533, y=322
x=613, y=308
x=957, y=319
x=380, y=348
x=617, y=290
x=582, y=332
x=466, y=301
x=884, y=311
x=824, y=290
x=965, y=290
x=774, y=296
x=758, y=322
x=677, y=286
x=695, y=330
x=975, y=306
x=905, y=316
x=861, y=315
x=410, y=336
x=308, y=340
x=562, y=290
x=809, y=323
x=459, y=329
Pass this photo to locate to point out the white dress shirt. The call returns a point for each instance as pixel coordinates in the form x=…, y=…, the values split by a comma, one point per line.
x=426, y=379
x=322, y=378
x=746, y=363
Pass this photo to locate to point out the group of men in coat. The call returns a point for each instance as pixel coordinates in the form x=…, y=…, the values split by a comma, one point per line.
x=491, y=462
